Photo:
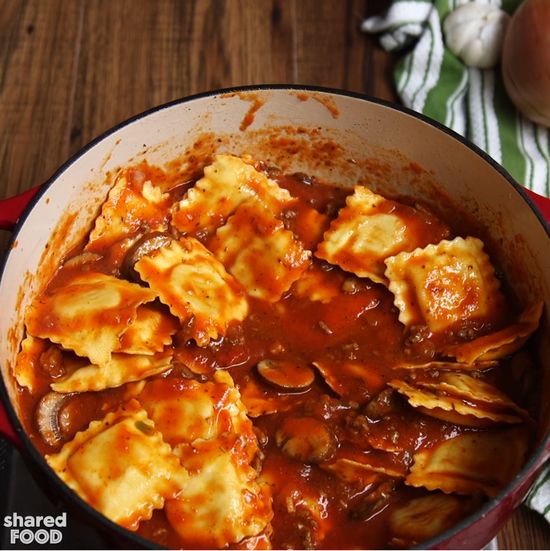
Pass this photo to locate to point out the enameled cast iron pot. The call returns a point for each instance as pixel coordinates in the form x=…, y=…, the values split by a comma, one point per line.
x=343, y=137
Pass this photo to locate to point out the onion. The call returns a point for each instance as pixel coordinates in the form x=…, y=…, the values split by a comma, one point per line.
x=526, y=60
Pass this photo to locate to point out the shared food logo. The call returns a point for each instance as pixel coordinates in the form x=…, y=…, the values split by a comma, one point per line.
x=39, y=529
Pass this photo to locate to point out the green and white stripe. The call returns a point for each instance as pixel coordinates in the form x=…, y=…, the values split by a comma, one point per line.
x=473, y=102
x=483, y=120
x=455, y=114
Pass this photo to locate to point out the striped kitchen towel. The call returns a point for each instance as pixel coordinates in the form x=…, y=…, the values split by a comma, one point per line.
x=538, y=497
x=473, y=102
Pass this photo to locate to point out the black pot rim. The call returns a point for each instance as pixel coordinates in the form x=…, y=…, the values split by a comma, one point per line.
x=98, y=519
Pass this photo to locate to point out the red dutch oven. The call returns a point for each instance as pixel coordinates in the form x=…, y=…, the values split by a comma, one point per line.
x=342, y=137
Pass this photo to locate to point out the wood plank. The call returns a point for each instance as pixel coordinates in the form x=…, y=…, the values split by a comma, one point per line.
x=242, y=42
x=380, y=65
x=323, y=31
x=126, y=63
x=332, y=51
x=358, y=47
x=36, y=89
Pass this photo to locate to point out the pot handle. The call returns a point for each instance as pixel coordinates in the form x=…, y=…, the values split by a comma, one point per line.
x=12, y=208
x=543, y=203
x=6, y=428
x=10, y=211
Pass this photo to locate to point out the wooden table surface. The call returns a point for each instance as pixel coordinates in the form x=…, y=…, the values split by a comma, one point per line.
x=71, y=69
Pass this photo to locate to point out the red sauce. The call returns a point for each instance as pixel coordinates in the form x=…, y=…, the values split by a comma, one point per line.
x=324, y=100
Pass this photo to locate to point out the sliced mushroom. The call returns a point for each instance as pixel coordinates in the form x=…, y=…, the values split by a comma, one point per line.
x=288, y=375
x=306, y=439
x=145, y=245
x=47, y=416
x=81, y=259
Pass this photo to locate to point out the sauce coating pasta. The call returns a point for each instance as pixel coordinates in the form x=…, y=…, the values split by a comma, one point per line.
x=279, y=362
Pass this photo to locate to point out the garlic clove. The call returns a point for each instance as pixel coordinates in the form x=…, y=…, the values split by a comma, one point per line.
x=475, y=33
x=460, y=40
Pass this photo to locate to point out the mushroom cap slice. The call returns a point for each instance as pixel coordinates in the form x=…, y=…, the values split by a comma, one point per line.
x=286, y=374
x=306, y=439
x=47, y=417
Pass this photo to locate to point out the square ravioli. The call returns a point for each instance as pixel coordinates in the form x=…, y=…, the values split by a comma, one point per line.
x=354, y=466
x=132, y=203
x=185, y=410
x=445, y=284
x=237, y=506
x=149, y=333
x=196, y=288
x=121, y=466
x=461, y=399
x=471, y=463
x=263, y=399
x=353, y=380
x=87, y=314
x=264, y=257
x=370, y=228
x=497, y=345
x=227, y=183
x=120, y=369
x=422, y=518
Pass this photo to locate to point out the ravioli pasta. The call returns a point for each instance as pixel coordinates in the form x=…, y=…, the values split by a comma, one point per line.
x=264, y=257
x=443, y=284
x=120, y=369
x=227, y=183
x=211, y=434
x=126, y=486
x=253, y=360
x=88, y=314
x=468, y=463
x=371, y=228
x=195, y=286
x=132, y=201
x=149, y=333
x=26, y=363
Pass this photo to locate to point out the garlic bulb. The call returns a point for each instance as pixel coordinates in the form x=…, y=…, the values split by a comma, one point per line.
x=475, y=32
